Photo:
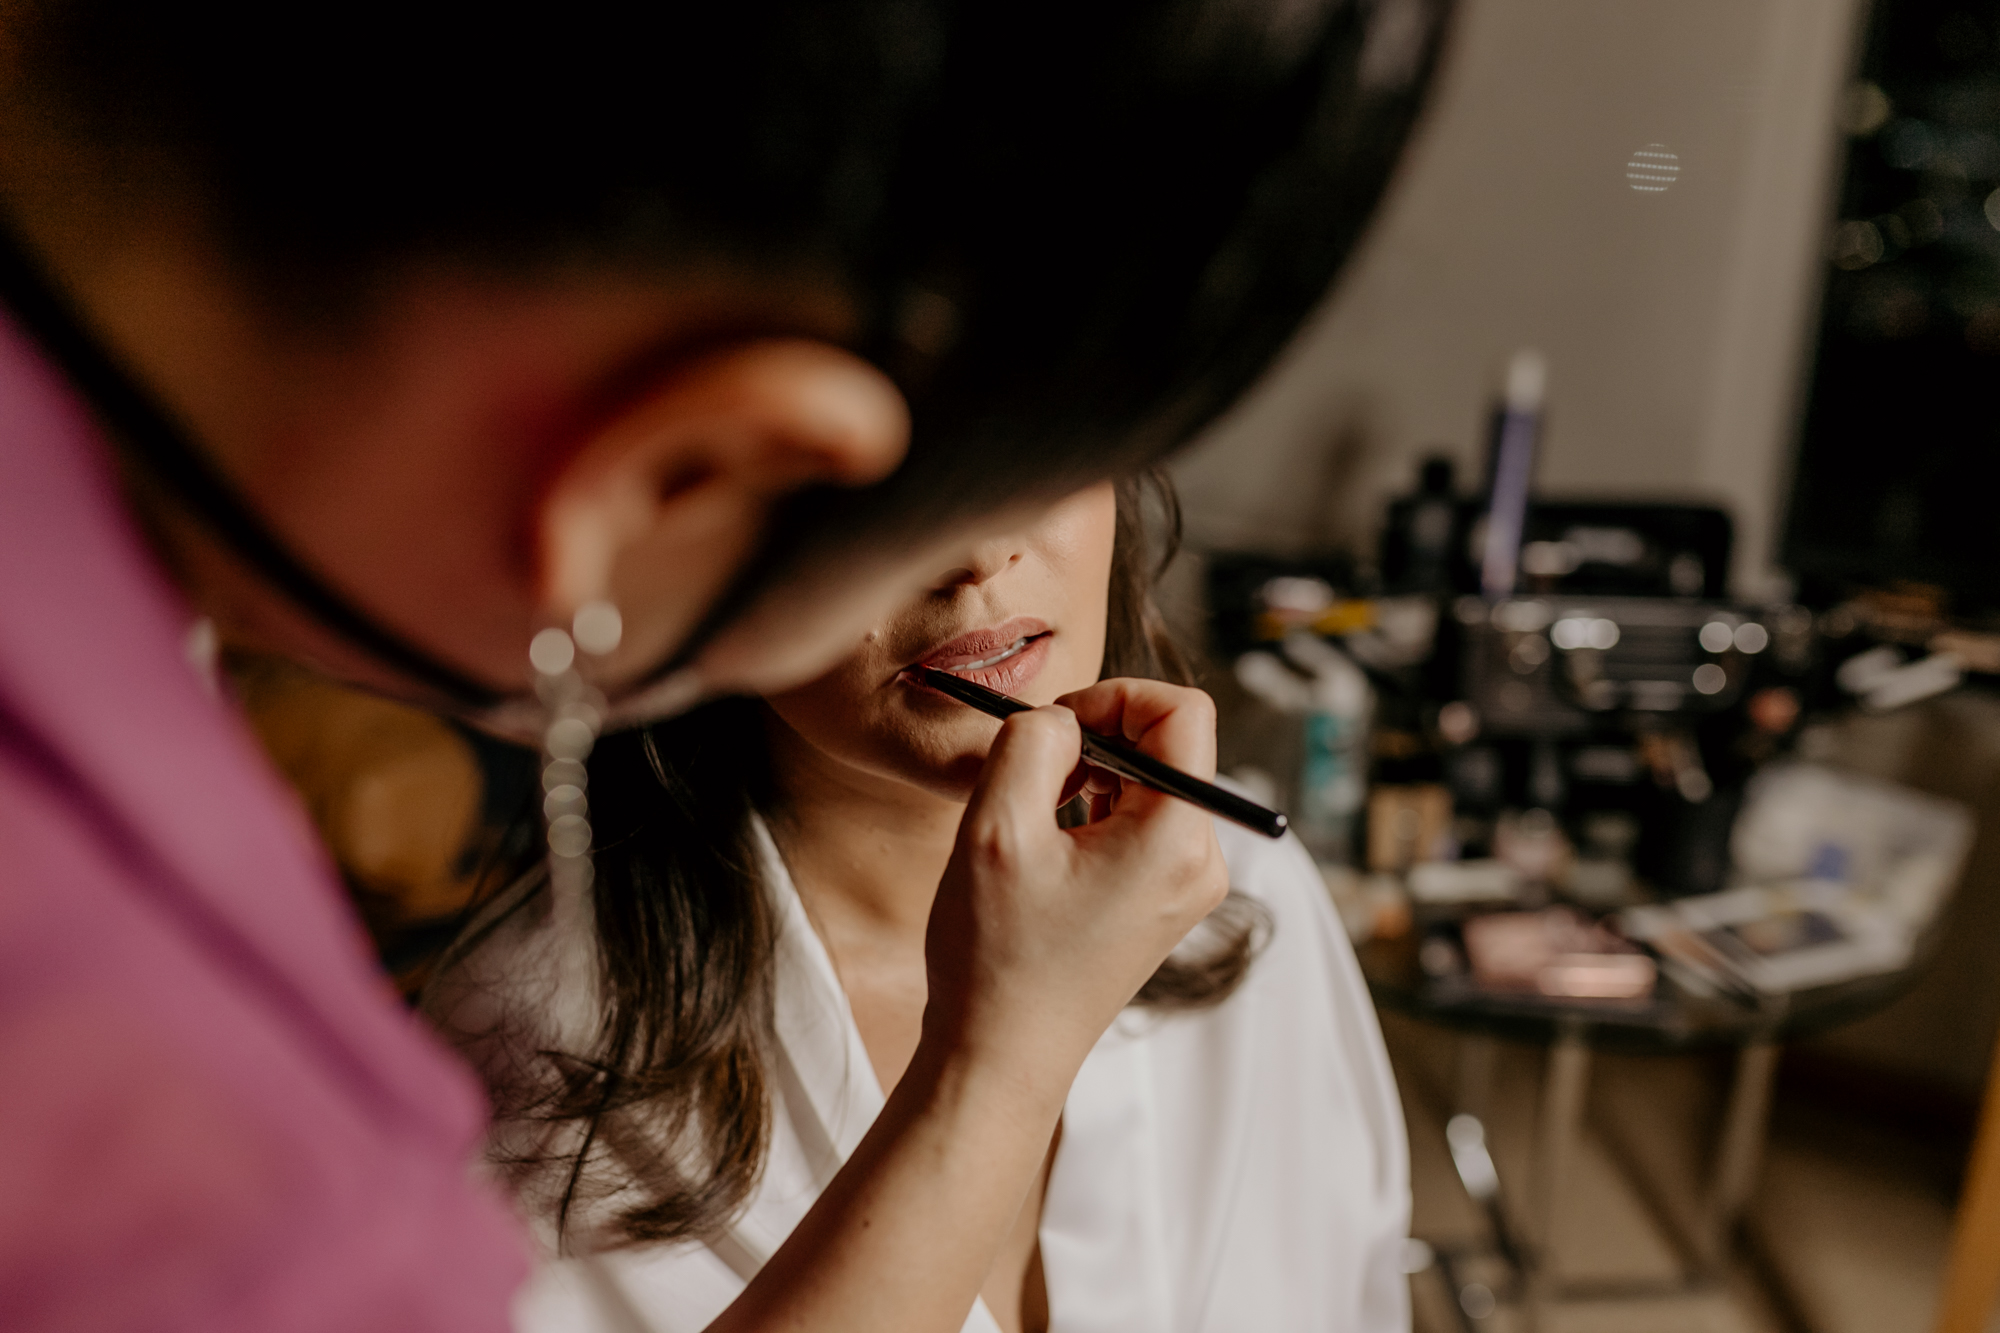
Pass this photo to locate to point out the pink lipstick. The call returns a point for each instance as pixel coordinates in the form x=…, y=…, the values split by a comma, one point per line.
x=1004, y=657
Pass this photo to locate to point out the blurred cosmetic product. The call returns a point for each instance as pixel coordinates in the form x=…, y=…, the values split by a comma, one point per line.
x=1333, y=781
x=1555, y=953
x=1408, y=824
x=1833, y=877
x=1456, y=883
x=1517, y=427
x=1419, y=539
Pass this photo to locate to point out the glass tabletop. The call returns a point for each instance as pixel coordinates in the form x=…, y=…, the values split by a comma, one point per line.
x=1673, y=1019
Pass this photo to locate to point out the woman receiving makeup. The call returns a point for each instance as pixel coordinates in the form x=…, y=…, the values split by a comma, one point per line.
x=681, y=1062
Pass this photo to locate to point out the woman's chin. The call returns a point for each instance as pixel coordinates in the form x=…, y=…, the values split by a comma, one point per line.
x=949, y=777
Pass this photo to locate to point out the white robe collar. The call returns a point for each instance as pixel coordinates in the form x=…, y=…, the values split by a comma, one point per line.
x=1104, y=1253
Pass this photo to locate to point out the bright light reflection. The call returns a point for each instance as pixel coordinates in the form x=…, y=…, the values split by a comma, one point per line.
x=1653, y=169
x=1574, y=632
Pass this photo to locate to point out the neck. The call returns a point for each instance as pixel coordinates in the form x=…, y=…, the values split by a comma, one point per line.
x=861, y=846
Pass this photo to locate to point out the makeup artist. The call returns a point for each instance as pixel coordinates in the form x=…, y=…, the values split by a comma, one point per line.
x=394, y=339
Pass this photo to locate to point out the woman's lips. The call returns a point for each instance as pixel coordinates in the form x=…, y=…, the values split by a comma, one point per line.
x=1004, y=658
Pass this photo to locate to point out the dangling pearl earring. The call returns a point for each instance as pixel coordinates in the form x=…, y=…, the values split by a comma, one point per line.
x=575, y=715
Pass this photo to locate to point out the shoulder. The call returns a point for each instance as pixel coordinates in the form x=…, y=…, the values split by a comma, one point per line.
x=1307, y=956
x=1277, y=872
x=169, y=1113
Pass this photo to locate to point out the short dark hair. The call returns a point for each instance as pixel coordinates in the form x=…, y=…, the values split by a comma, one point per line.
x=1074, y=232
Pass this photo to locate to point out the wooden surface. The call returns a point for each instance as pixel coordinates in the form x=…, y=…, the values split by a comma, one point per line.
x=1972, y=1273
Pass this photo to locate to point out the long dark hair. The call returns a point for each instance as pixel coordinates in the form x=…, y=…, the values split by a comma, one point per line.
x=668, y=1111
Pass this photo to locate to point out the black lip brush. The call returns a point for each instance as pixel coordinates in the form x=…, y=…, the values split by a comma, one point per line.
x=1117, y=756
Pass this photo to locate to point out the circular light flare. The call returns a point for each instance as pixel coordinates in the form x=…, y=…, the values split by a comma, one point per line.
x=1574, y=632
x=1926, y=220
x=1653, y=169
x=569, y=835
x=1529, y=652
x=1867, y=108
x=1752, y=638
x=564, y=799
x=565, y=773
x=1717, y=636
x=597, y=627
x=551, y=652
x=569, y=738
x=1522, y=615
x=1709, y=678
x=1857, y=244
x=1458, y=722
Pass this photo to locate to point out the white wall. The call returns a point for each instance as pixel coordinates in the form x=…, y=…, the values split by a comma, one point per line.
x=1673, y=321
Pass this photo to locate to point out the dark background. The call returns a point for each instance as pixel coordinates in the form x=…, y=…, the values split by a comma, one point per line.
x=1900, y=452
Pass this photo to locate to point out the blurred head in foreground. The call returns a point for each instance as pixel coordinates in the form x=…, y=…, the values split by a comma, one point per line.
x=743, y=318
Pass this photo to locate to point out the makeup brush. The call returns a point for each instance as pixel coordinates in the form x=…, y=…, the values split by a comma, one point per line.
x=1117, y=756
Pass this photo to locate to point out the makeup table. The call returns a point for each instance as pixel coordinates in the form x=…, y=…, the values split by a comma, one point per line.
x=1571, y=1033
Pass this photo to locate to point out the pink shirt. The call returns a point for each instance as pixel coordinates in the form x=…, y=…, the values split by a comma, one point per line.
x=214, y=1115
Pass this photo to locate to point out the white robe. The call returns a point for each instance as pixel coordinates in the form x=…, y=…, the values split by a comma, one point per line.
x=1241, y=1167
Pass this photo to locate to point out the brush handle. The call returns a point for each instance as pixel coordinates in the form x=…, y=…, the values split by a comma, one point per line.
x=1119, y=757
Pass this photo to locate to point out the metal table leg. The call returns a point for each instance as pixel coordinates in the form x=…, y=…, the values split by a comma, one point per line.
x=1473, y=1063
x=1566, y=1081
x=1472, y=1074
x=1739, y=1152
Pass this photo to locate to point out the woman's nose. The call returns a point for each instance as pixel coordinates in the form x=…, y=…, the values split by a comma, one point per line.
x=983, y=563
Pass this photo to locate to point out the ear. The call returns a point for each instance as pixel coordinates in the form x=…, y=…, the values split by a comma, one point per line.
x=667, y=499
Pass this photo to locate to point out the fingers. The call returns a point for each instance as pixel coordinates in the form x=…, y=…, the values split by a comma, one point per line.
x=1097, y=785
x=1170, y=722
x=1049, y=932
x=1028, y=770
